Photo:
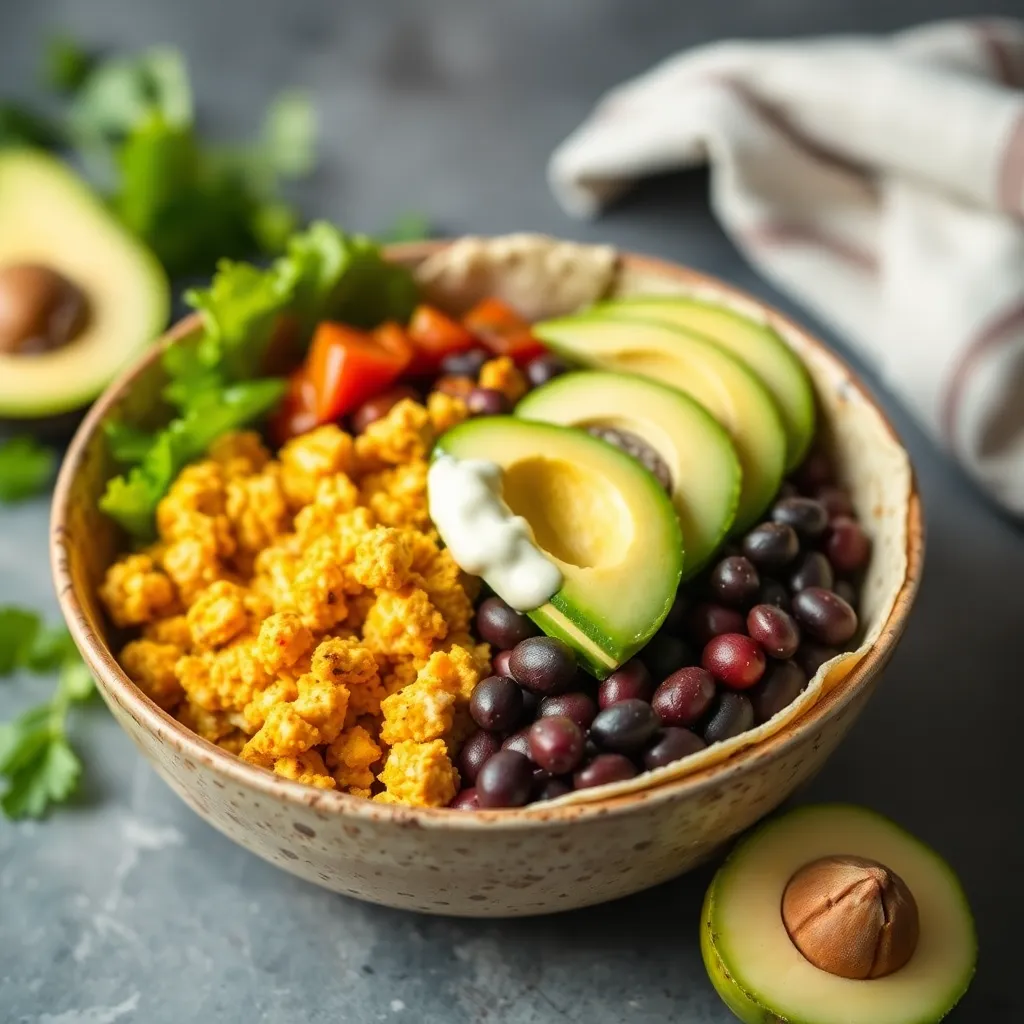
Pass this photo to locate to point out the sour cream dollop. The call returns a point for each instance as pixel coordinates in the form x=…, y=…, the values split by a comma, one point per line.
x=483, y=534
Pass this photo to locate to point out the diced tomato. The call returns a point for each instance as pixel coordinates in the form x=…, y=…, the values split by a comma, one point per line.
x=348, y=366
x=297, y=412
x=433, y=336
x=503, y=331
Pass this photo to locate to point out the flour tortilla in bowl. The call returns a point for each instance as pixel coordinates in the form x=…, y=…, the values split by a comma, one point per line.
x=544, y=277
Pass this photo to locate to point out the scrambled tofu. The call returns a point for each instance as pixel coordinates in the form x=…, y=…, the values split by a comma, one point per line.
x=301, y=612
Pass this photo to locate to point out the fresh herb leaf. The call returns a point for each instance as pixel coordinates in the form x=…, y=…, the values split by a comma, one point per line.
x=409, y=227
x=50, y=776
x=132, y=500
x=26, y=468
x=288, y=142
x=22, y=126
x=36, y=760
x=75, y=683
x=123, y=92
x=126, y=444
x=51, y=648
x=66, y=65
x=18, y=631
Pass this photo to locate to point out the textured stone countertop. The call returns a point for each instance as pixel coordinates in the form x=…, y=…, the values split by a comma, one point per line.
x=128, y=908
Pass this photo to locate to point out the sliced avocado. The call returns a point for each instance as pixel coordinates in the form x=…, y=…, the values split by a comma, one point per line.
x=761, y=974
x=604, y=521
x=701, y=461
x=758, y=345
x=78, y=294
x=702, y=369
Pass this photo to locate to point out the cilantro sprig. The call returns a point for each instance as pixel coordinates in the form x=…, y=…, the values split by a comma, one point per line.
x=26, y=468
x=38, y=765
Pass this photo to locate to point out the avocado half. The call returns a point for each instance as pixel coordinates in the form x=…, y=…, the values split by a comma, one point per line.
x=50, y=219
x=701, y=460
x=757, y=344
x=706, y=371
x=601, y=517
x=762, y=976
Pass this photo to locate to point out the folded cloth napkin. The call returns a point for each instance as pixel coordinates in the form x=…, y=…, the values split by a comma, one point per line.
x=880, y=181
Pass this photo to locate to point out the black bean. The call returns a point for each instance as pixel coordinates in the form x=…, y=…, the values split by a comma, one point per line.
x=506, y=780
x=812, y=570
x=544, y=368
x=465, y=364
x=543, y=665
x=499, y=663
x=518, y=741
x=501, y=625
x=553, y=789
x=626, y=727
x=825, y=615
x=684, y=697
x=847, y=546
x=631, y=680
x=815, y=471
x=734, y=581
x=670, y=745
x=636, y=446
x=774, y=630
x=835, y=500
x=848, y=592
x=781, y=685
x=710, y=620
x=771, y=545
x=475, y=753
x=487, y=402
x=664, y=654
x=556, y=744
x=807, y=516
x=773, y=592
x=496, y=704
x=811, y=656
x=578, y=706
x=732, y=715
x=465, y=800
x=604, y=769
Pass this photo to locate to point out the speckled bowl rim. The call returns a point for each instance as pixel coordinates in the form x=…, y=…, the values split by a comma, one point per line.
x=116, y=686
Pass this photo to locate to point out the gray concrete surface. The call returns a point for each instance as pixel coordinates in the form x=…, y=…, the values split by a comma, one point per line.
x=127, y=908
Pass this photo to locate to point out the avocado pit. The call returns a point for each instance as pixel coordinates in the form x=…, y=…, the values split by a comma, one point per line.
x=851, y=916
x=41, y=310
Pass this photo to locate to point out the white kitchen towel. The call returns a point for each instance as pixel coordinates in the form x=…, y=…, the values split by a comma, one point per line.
x=880, y=181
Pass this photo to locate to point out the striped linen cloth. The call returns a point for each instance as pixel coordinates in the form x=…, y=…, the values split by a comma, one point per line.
x=879, y=181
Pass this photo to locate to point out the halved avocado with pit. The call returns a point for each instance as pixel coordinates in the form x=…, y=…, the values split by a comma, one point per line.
x=776, y=883
x=757, y=344
x=697, y=453
x=605, y=522
x=702, y=369
x=78, y=294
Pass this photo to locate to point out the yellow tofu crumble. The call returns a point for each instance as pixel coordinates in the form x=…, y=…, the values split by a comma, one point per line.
x=300, y=612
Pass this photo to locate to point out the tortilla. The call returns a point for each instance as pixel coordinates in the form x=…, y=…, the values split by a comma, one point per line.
x=544, y=277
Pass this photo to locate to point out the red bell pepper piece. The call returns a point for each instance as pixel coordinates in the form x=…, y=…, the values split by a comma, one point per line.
x=297, y=411
x=503, y=331
x=433, y=336
x=348, y=366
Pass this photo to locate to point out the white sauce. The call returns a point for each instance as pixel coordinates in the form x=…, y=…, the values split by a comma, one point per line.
x=484, y=536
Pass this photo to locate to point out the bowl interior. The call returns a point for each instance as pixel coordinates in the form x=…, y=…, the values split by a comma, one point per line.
x=874, y=465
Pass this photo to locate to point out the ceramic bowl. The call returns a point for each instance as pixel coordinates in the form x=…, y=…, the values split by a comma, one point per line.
x=496, y=863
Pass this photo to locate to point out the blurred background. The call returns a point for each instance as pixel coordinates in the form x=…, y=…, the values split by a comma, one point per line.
x=127, y=907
